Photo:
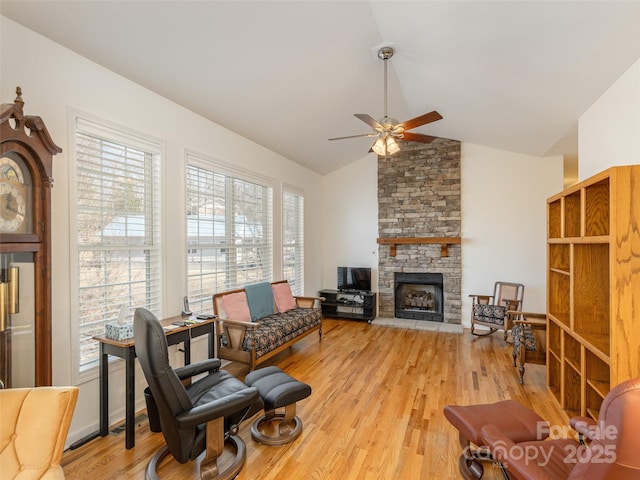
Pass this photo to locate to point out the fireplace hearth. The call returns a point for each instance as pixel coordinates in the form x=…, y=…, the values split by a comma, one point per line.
x=419, y=296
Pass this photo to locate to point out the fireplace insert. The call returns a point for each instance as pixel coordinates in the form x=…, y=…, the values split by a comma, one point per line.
x=419, y=296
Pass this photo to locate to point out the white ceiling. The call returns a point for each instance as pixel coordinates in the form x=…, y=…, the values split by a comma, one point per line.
x=290, y=74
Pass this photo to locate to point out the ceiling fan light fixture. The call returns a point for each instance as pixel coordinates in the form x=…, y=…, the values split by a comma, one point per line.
x=379, y=148
x=385, y=145
x=392, y=146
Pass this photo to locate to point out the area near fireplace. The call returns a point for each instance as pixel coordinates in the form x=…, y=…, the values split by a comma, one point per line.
x=419, y=197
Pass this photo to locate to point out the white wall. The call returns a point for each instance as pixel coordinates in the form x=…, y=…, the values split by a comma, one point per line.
x=350, y=219
x=504, y=226
x=503, y=220
x=54, y=80
x=609, y=131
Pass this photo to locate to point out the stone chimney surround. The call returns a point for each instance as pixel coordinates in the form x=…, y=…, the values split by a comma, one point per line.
x=419, y=220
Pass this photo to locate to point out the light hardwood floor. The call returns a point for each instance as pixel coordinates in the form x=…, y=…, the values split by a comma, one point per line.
x=375, y=411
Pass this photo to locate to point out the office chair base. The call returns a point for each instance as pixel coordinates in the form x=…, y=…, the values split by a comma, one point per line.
x=470, y=464
x=286, y=430
x=231, y=471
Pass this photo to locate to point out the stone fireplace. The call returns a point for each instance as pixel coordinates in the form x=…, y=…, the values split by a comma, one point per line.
x=419, y=198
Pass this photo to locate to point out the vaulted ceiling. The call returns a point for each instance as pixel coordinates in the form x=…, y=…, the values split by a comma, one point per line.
x=513, y=75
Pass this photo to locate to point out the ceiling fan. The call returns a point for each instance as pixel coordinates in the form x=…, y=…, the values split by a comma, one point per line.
x=388, y=129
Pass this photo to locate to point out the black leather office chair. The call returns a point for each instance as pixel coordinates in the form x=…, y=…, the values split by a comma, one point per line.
x=201, y=417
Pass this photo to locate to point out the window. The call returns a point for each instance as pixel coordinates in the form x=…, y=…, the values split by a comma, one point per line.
x=293, y=240
x=117, y=229
x=229, y=232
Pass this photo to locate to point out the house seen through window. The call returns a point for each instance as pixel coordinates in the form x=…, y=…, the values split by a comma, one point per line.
x=229, y=232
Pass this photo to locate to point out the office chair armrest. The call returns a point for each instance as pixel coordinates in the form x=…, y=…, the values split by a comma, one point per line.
x=188, y=371
x=585, y=426
x=507, y=452
x=221, y=407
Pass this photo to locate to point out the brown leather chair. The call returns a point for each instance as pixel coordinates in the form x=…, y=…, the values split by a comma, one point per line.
x=513, y=419
x=202, y=417
x=613, y=452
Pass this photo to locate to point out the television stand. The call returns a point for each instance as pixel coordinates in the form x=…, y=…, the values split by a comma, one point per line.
x=352, y=304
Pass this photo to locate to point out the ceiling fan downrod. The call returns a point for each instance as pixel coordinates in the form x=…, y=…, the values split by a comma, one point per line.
x=385, y=53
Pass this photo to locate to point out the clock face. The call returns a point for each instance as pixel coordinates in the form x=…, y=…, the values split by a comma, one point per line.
x=14, y=198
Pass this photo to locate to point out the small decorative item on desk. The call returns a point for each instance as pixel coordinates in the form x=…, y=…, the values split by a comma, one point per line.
x=119, y=330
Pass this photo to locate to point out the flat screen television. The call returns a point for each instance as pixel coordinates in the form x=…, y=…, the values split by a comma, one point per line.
x=354, y=278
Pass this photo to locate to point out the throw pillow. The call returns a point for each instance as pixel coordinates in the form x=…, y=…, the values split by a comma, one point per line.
x=260, y=300
x=284, y=298
x=236, y=306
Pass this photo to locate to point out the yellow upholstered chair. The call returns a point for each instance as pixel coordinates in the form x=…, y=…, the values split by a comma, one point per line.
x=34, y=423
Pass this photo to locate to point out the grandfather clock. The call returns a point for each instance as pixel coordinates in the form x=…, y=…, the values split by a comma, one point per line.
x=26, y=154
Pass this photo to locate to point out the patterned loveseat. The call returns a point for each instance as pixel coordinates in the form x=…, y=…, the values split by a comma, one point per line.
x=251, y=334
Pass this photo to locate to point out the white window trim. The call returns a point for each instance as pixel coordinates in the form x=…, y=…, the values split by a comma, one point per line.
x=217, y=165
x=300, y=192
x=126, y=135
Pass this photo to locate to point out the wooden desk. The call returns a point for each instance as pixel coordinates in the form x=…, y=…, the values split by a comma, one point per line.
x=126, y=349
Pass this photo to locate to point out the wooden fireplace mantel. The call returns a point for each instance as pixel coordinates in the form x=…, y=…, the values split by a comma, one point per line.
x=443, y=241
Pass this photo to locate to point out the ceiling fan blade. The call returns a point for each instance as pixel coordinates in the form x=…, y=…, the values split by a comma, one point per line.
x=417, y=137
x=421, y=120
x=354, y=136
x=369, y=120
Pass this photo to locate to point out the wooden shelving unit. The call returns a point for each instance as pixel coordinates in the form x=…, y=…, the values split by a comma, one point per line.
x=593, y=288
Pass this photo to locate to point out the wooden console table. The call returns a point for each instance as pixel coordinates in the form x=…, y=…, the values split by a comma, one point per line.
x=126, y=349
x=443, y=241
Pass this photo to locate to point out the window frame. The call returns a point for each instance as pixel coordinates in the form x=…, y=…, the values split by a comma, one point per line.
x=91, y=125
x=200, y=301
x=297, y=283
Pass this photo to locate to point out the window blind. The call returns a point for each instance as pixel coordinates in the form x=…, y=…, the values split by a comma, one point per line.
x=229, y=233
x=293, y=240
x=117, y=229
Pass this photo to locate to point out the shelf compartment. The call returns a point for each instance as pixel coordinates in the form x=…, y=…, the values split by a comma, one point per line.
x=591, y=290
x=572, y=352
x=593, y=402
x=571, y=396
x=572, y=214
x=559, y=257
x=598, y=374
x=559, y=295
x=555, y=219
x=553, y=376
x=596, y=210
x=599, y=344
x=554, y=339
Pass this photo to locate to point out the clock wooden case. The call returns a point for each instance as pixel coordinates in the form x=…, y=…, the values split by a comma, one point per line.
x=26, y=154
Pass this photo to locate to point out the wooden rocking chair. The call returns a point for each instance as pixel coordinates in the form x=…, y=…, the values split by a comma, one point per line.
x=491, y=310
